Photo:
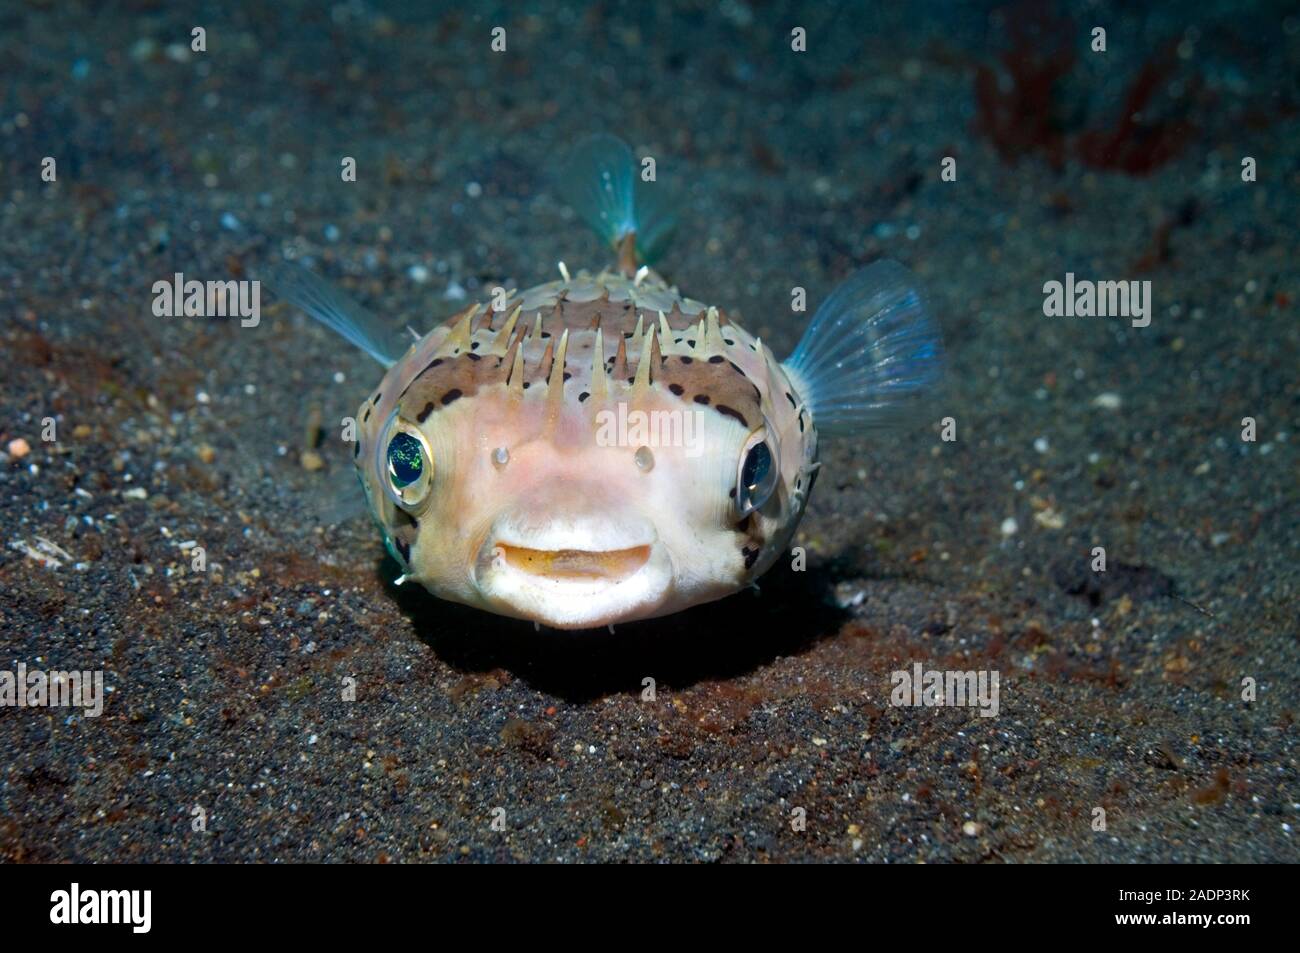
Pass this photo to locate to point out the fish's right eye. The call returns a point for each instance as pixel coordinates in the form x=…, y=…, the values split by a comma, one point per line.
x=407, y=465
x=405, y=460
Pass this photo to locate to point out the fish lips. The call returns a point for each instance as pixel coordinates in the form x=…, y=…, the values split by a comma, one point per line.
x=574, y=580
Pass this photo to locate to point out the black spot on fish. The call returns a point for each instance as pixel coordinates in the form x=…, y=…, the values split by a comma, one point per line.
x=751, y=557
x=790, y=397
x=727, y=411
x=452, y=395
x=677, y=389
x=475, y=357
x=689, y=360
x=356, y=449
x=728, y=342
x=702, y=399
x=567, y=375
x=583, y=396
x=366, y=416
x=423, y=415
x=718, y=359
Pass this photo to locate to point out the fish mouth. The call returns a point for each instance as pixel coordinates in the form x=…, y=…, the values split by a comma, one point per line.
x=569, y=583
x=611, y=565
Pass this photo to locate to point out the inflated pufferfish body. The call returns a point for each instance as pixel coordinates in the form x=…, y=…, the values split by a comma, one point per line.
x=599, y=448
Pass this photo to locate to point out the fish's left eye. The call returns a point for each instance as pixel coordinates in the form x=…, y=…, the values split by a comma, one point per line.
x=407, y=465
x=756, y=475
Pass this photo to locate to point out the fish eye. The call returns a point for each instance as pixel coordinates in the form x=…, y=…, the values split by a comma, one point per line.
x=756, y=475
x=407, y=464
x=405, y=460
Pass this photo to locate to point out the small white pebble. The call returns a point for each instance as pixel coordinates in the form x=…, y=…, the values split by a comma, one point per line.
x=418, y=273
x=1041, y=445
x=1108, y=401
x=1010, y=527
x=970, y=829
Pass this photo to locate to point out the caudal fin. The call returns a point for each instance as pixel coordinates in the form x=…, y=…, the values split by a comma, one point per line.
x=601, y=179
x=872, y=351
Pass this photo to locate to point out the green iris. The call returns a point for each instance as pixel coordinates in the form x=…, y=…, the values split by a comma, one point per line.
x=405, y=460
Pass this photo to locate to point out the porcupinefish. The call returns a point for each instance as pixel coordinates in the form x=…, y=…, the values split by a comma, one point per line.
x=600, y=448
